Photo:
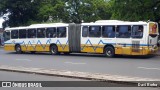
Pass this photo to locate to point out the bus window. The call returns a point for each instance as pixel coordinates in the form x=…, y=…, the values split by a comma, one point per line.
x=41, y=33
x=94, y=31
x=14, y=34
x=61, y=31
x=6, y=35
x=108, y=31
x=31, y=33
x=85, y=31
x=51, y=33
x=123, y=31
x=22, y=33
x=137, y=31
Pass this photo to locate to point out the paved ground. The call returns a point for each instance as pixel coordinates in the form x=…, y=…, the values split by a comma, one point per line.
x=13, y=76
x=148, y=67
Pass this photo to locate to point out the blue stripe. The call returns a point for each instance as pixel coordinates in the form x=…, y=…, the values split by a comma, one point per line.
x=63, y=47
x=39, y=43
x=101, y=42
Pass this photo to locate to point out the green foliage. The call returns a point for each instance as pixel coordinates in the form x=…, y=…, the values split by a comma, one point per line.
x=87, y=10
x=135, y=10
x=26, y=12
x=50, y=8
x=20, y=11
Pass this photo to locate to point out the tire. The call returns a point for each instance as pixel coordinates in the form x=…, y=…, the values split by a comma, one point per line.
x=109, y=51
x=54, y=50
x=18, y=49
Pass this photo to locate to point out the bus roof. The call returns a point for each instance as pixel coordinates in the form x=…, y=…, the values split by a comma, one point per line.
x=99, y=22
x=116, y=22
x=14, y=28
x=39, y=26
x=48, y=25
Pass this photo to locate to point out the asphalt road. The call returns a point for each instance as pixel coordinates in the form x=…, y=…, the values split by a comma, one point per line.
x=145, y=67
x=13, y=76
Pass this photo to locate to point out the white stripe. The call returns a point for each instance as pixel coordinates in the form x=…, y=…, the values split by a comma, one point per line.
x=149, y=68
x=23, y=60
x=73, y=63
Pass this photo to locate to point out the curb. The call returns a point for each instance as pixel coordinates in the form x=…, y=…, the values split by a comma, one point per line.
x=78, y=75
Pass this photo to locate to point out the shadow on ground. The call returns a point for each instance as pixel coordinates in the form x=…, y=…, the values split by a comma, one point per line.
x=87, y=55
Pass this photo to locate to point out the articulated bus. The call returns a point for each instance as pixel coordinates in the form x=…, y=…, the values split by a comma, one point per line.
x=108, y=37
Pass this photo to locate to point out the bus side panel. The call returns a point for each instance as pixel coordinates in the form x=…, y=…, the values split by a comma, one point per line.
x=42, y=45
x=95, y=48
x=9, y=47
x=91, y=45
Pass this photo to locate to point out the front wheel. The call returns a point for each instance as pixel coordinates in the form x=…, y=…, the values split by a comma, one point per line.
x=109, y=51
x=54, y=50
x=18, y=49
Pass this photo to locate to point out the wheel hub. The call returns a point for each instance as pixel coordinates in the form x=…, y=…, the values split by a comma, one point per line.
x=109, y=53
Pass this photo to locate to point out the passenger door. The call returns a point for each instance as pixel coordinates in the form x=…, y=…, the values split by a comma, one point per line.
x=123, y=39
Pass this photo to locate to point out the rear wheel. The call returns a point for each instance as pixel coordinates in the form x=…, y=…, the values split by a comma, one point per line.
x=109, y=51
x=18, y=49
x=54, y=50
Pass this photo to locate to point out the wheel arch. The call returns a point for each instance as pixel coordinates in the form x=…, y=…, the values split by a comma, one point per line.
x=17, y=44
x=108, y=45
x=52, y=44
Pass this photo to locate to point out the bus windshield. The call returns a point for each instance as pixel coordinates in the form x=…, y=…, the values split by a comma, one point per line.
x=6, y=35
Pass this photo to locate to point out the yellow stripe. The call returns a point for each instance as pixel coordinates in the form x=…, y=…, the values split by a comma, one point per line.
x=61, y=48
x=9, y=47
x=92, y=48
x=86, y=48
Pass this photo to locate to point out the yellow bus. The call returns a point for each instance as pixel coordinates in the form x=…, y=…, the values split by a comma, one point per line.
x=108, y=37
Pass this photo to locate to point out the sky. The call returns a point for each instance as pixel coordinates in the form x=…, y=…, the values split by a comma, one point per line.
x=1, y=21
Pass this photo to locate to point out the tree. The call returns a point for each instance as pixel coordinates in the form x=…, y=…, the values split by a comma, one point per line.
x=50, y=8
x=21, y=11
x=87, y=10
x=135, y=10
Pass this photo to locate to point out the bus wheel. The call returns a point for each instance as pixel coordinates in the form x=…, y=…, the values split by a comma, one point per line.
x=18, y=49
x=109, y=51
x=54, y=50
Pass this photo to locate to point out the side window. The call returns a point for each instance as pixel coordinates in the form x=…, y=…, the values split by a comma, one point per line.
x=85, y=31
x=41, y=32
x=108, y=31
x=123, y=31
x=61, y=32
x=137, y=31
x=51, y=32
x=22, y=33
x=14, y=34
x=94, y=31
x=31, y=33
